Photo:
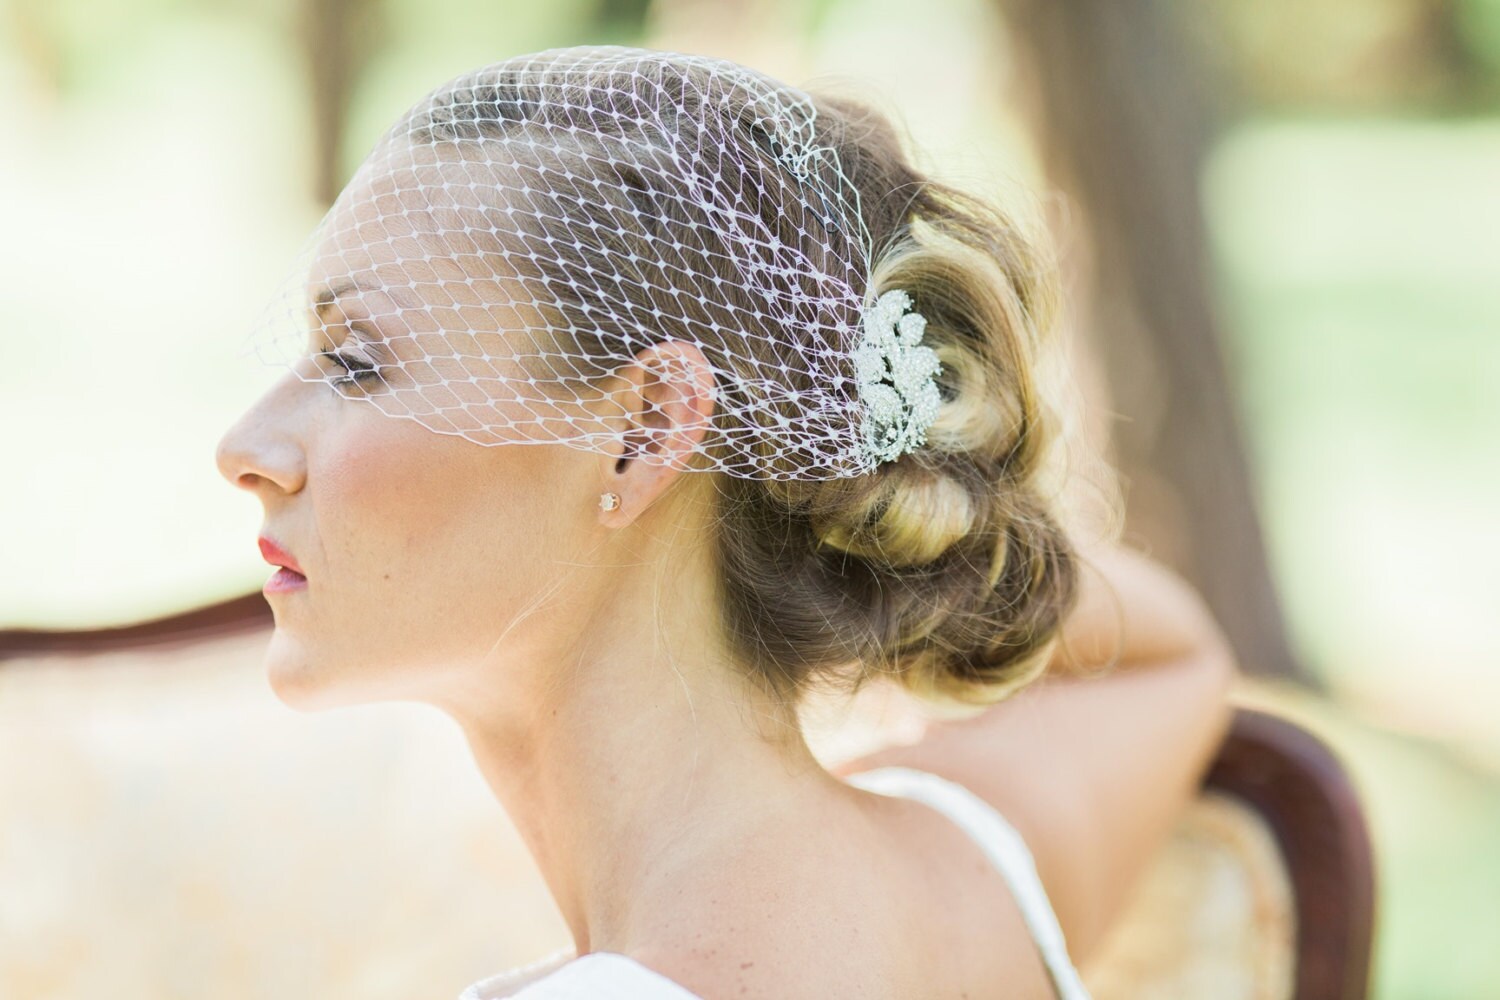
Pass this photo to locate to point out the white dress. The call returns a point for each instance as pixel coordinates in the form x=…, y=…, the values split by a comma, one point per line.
x=603, y=975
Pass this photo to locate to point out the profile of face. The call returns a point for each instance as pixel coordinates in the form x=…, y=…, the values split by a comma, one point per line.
x=432, y=562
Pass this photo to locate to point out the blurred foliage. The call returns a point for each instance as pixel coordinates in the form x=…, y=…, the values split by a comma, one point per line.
x=1385, y=56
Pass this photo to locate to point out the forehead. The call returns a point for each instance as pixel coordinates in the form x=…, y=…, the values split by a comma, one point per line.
x=399, y=233
x=413, y=238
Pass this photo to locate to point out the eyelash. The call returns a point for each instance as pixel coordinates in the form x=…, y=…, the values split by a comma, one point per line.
x=358, y=370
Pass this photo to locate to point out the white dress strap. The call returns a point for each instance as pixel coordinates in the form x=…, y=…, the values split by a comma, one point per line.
x=509, y=982
x=599, y=975
x=1002, y=844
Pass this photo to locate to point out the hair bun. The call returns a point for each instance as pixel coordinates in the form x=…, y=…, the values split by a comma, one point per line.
x=948, y=567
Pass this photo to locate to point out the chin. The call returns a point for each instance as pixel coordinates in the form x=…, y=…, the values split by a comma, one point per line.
x=309, y=683
x=297, y=680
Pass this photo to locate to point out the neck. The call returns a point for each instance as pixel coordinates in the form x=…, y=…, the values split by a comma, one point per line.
x=635, y=772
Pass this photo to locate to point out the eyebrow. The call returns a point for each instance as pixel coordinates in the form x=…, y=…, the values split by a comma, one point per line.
x=328, y=293
x=325, y=298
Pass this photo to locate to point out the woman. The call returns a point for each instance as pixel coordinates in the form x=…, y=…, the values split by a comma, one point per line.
x=785, y=435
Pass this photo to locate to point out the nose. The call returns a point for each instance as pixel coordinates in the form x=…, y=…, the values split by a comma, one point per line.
x=262, y=450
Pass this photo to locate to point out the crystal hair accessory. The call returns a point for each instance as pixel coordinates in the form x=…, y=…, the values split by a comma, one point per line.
x=897, y=376
x=528, y=229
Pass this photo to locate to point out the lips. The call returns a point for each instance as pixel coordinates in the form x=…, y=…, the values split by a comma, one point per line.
x=277, y=556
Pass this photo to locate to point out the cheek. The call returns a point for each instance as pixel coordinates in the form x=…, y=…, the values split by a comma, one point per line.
x=431, y=541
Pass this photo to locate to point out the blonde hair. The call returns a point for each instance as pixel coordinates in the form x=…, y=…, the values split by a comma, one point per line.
x=947, y=569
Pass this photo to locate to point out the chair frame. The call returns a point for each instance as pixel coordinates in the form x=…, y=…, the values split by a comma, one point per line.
x=1296, y=783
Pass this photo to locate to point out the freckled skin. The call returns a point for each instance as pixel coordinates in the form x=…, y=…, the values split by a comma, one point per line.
x=419, y=547
x=363, y=629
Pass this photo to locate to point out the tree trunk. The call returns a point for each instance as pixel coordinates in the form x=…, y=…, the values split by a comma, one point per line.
x=1124, y=116
x=336, y=37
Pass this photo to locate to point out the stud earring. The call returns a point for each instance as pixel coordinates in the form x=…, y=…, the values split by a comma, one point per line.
x=609, y=501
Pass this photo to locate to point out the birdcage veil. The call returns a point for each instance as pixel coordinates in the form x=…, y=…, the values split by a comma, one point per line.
x=529, y=228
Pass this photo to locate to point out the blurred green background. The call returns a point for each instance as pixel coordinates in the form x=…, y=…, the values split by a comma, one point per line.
x=163, y=162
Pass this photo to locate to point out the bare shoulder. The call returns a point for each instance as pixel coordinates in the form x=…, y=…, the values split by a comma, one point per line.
x=913, y=909
x=1092, y=771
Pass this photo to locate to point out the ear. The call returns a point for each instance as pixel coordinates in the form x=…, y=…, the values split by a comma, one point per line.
x=668, y=402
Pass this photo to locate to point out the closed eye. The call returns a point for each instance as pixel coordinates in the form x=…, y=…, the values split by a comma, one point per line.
x=358, y=369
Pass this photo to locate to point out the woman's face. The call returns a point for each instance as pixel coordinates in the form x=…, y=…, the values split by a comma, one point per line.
x=420, y=549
